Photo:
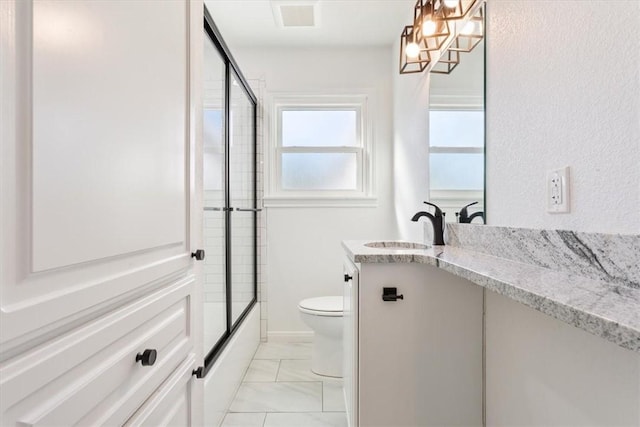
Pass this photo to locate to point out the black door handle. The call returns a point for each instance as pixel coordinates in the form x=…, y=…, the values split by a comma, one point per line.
x=198, y=372
x=198, y=255
x=347, y=277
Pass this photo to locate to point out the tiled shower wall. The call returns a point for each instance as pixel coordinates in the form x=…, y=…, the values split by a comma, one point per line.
x=258, y=87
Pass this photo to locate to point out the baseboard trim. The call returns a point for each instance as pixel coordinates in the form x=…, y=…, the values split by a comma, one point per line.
x=290, y=336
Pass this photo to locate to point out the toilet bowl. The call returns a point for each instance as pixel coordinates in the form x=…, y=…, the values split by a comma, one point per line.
x=324, y=316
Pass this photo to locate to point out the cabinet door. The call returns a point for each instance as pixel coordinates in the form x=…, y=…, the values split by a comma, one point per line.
x=97, y=145
x=420, y=359
x=350, y=341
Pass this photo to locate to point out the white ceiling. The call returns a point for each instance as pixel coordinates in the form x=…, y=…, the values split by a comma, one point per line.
x=341, y=23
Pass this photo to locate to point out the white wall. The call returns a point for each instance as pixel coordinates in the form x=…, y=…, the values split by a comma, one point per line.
x=563, y=85
x=304, y=256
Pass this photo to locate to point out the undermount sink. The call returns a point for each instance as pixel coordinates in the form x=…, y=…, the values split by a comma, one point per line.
x=395, y=245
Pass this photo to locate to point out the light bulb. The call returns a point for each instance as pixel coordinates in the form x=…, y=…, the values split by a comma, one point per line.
x=468, y=29
x=412, y=50
x=450, y=3
x=428, y=27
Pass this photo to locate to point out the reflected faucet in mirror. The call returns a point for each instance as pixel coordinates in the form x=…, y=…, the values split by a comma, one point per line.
x=437, y=221
x=464, y=217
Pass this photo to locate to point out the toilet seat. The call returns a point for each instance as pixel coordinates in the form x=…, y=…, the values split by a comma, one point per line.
x=322, y=306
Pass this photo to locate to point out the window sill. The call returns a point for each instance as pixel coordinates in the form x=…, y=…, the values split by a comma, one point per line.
x=322, y=202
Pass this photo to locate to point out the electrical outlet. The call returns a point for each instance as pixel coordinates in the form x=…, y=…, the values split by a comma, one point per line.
x=558, y=191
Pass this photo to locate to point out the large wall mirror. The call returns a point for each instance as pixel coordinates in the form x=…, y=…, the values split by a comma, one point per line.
x=457, y=137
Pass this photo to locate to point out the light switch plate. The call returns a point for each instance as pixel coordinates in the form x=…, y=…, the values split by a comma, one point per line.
x=558, y=194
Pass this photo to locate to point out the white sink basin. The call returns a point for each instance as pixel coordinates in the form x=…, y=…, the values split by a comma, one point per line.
x=395, y=245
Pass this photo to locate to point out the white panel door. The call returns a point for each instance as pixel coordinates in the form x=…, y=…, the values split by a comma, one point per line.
x=99, y=128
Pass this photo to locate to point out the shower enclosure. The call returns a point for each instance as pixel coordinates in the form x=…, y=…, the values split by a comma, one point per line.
x=229, y=183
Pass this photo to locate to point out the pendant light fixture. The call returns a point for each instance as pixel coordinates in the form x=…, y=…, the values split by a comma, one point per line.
x=432, y=28
x=470, y=34
x=441, y=30
x=447, y=62
x=413, y=59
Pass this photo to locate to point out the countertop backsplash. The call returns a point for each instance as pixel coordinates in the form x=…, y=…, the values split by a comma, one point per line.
x=613, y=258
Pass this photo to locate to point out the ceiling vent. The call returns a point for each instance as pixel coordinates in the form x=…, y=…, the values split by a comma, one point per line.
x=295, y=14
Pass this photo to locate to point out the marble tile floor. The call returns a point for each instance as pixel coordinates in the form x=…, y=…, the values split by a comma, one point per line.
x=279, y=390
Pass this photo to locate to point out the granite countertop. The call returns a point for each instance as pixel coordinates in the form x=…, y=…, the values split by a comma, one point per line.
x=603, y=308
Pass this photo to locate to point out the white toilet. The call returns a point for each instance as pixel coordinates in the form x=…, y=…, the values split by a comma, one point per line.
x=324, y=316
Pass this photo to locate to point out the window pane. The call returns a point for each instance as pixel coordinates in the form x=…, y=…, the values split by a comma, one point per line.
x=213, y=139
x=456, y=128
x=319, y=128
x=319, y=171
x=456, y=171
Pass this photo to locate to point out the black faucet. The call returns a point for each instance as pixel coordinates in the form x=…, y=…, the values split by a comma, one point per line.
x=437, y=220
x=465, y=218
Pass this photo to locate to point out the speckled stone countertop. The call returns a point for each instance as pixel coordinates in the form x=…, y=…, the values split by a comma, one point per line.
x=606, y=309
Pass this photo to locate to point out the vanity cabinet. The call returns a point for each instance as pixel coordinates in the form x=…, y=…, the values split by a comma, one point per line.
x=415, y=361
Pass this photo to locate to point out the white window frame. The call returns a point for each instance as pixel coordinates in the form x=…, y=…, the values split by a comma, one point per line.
x=455, y=199
x=363, y=195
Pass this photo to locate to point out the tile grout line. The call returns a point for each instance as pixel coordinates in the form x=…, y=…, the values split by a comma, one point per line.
x=275, y=381
x=277, y=371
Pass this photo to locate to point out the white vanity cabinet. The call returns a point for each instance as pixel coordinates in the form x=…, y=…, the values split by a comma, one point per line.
x=416, y=361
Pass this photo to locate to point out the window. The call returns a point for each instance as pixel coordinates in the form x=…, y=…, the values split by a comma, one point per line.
x=320, y=151
x=456, y=153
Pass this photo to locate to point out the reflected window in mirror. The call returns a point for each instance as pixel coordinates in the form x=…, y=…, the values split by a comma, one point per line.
x=456, y=157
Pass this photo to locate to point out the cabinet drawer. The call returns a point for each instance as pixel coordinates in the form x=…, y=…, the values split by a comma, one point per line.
x=90, y=375
x=170, y=405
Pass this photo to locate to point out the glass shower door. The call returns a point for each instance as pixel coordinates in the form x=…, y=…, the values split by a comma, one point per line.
x=229, y=183
x=242, y=191
x=214, y=185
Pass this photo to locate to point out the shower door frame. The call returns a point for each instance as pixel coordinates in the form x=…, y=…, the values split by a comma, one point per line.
x=211, y=30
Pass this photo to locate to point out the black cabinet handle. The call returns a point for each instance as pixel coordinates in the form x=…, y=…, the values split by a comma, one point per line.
x=198, y=372
x=147, y=357
x=198, y=255
x=347, y=277
x=391, y=294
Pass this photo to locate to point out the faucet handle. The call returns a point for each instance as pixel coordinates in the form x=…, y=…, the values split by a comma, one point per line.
x=438, y=210
x=464, y=215
x=470, y=204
